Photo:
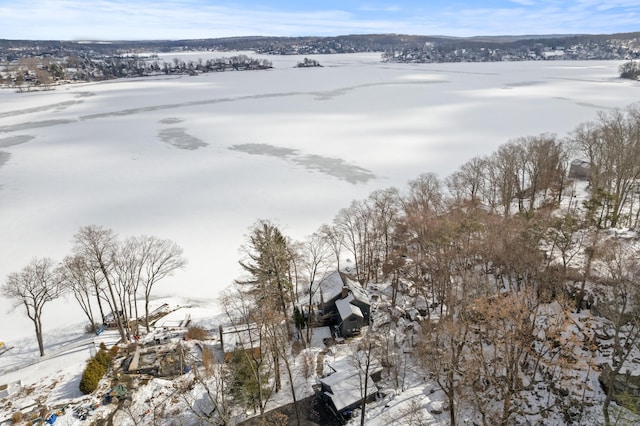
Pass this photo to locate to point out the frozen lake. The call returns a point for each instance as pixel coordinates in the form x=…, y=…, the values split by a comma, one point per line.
x=200, y=159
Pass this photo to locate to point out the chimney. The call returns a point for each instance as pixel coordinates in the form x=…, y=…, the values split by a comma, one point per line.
x=345, y=292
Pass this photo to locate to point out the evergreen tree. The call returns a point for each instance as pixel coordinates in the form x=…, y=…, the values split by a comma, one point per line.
x=268, y=265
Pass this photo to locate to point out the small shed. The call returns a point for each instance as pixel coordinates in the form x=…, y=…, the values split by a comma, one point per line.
x=247, y=337
x=579, y=169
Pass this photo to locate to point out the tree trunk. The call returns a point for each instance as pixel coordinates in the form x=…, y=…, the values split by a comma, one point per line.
x=90, y=313
x=276, y=372
x=293, y=388
x=146, y=312
x=104, y=319
x=116, y=312
x=38, y=325
x=451, y=396
x=309, y=318
x=607, y=401
x=366, y=385
x=135, y=305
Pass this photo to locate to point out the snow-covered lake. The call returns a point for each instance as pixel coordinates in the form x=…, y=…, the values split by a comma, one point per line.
x=200, y=159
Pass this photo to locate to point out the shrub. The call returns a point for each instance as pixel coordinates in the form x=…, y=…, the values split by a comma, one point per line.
x=91, y=328
x=196, y=333
x=113, y=352
x=103, y=347
x=16, y=417
x=91, y=376
x=104, y=359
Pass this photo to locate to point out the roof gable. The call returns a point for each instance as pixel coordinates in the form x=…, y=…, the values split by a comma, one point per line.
x=359, y=293
x=331, y=286
x=346, y=308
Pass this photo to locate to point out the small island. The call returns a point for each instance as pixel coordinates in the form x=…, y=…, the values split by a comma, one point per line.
x=308, y=63
x=630, y=70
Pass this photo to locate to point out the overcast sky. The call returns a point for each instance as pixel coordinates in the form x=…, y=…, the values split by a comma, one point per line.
x=188, y=19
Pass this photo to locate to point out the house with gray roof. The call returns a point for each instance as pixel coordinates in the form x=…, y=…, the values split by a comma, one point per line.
x=345, y=302
x=343, y=390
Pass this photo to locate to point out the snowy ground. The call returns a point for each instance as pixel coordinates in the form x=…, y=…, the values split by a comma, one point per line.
x=54, y=379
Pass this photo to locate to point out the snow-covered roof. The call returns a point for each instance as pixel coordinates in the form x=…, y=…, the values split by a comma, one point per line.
x=346, y=309
x=243, y=336
x=331, y=286
x=358, y=292
x=347, y=387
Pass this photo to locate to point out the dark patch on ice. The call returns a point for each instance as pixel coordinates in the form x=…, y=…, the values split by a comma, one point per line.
x=459, y=72
x=335, y=167
x=59, y=107
x=84, y=94
x=4, y=157
x=171, y=120
x=15, y=140
x=328, y=95
x=590, y=105
x=584, y=104
x=523, y=84
x=264, y=149
x=577, y=79
x=33, y=125
x=178, y=137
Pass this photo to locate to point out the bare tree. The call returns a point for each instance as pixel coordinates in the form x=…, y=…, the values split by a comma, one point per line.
x=611, y=145
x=98, y=246
x=620, y=305
x=385, y=206
x=334, y=239
x=425, y=198
x=442, y=352
x=206, y=392
x=363, y=359
x=159, y=259
x=128, y=263
x=543, y=166
x=567, y=236
x=467, y=182
x=506, y=163
x=354, y=224
x=251, y=383
x=278, y=337
x=316, y=265
x=506, y=323
x=36, y=284
x=78, y=277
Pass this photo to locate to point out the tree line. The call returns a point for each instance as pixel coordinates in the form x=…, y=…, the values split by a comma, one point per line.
x=28, y=73
x=116, y=275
